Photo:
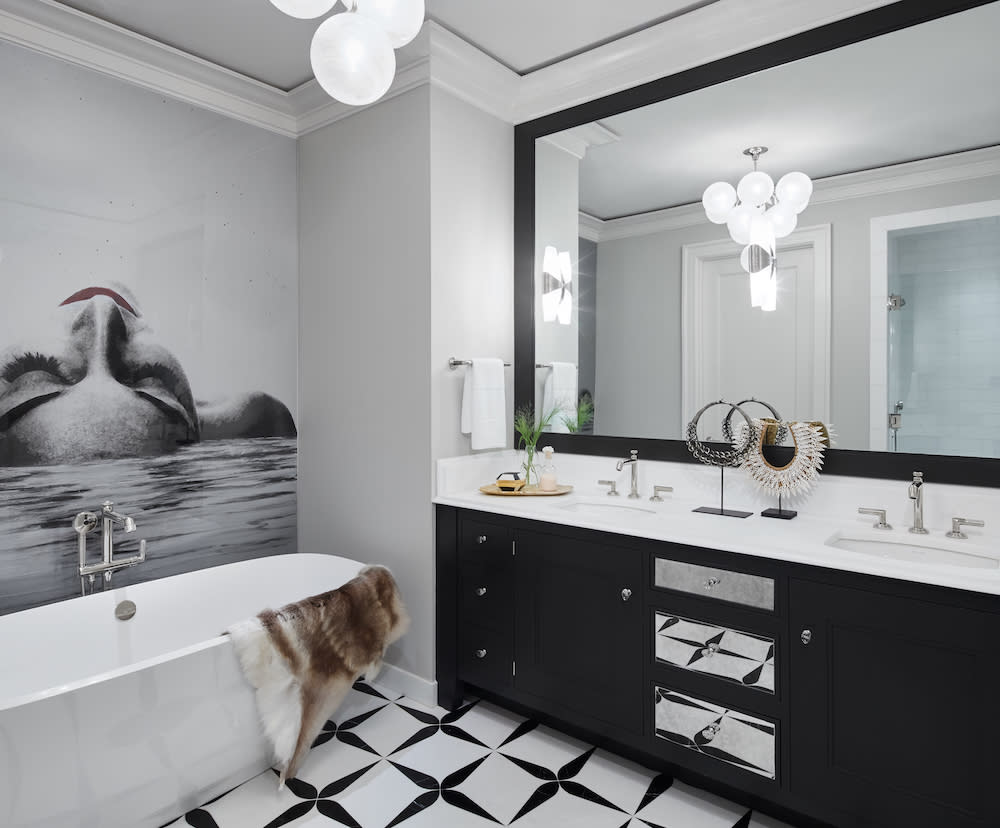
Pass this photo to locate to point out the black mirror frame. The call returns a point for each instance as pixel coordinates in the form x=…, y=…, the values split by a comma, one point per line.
x=975, y=471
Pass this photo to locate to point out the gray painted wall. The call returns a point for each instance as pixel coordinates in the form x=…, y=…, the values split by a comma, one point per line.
x=406, y=234
x=364, y=333
x=639, y=314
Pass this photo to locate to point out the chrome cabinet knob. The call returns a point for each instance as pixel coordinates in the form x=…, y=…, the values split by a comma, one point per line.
x=481, y=652
x=481, y=539
x=480, y=591
x=710, y=650
x=712, y=582
x=806, y=636
x=626, y=594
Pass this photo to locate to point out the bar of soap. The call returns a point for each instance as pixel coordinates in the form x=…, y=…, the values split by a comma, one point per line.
x=509, y=485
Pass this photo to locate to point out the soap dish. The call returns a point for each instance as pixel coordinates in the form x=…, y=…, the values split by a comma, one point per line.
x=510, y=482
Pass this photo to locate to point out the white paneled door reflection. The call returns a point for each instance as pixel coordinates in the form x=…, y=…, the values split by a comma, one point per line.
x=734, y=351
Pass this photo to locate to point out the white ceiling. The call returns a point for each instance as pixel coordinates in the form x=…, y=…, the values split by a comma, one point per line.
x=255, y=39
x=917, y=93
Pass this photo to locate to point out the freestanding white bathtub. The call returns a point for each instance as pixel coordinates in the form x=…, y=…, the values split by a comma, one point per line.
x=131, y=723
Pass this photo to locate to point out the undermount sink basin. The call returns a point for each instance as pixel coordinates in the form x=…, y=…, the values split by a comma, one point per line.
x=606, y=507
x=905, y=547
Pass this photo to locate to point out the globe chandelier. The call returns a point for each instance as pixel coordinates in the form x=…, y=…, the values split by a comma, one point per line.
x=757, y=213
x=352, y=53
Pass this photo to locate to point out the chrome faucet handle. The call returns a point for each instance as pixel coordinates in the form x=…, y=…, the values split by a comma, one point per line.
x=614, y=486
x=656, y=493
x=879, y=513
x=956, y=527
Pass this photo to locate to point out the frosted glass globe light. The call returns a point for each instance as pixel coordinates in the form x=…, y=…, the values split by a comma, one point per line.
x=719, y=198
x=400, y=19
x=783, y=219
x=304, y=9
x=739, y=222
x=352, y=59
x=794, y=190
x=755, y=188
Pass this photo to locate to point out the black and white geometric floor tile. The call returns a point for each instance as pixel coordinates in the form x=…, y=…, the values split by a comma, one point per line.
x=389, y=761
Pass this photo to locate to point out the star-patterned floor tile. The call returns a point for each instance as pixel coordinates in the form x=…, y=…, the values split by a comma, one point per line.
x=488, y=723
x=388, y=729
x=683, y=805
x=440, y=754
x=562, y=809
x=500, y=786
x=542, y=745
x=386, y=761
x=622, y=782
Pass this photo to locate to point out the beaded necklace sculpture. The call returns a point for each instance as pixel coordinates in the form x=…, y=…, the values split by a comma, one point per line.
x=796, y=476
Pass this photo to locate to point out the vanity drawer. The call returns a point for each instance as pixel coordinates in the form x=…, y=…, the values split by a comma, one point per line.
x=712, y=582
x=711, y=649
x=728, y=736
x=485, y=596
x=484, y=541
x=485, y=656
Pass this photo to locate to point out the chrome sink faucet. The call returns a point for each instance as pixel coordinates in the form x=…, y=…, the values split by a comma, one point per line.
x=632, y=461
x=916, y=492
x=108, y=518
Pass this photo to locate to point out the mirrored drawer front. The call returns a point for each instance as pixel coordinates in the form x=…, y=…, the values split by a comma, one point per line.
x=738, y=587
x=717, y=651
x=725, y=735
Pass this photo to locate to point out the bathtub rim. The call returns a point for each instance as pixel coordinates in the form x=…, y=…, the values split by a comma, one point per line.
x=11, y=702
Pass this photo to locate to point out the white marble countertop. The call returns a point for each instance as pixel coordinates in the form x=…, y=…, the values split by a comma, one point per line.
x=828, y=512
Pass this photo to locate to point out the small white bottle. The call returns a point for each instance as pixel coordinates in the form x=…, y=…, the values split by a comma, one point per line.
x=547, y=475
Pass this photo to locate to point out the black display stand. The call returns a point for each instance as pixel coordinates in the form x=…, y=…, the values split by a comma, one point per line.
x=781, y=514
x=720, y=510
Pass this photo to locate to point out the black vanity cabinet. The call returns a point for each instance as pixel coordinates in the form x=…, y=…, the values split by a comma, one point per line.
x=577, y=632
x=837, y=699
x=893, y=709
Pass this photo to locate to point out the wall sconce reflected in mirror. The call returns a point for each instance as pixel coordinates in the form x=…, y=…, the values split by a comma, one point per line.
x=557, y=286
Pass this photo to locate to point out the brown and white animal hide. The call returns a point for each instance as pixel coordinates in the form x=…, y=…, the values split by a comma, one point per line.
x=303, y=659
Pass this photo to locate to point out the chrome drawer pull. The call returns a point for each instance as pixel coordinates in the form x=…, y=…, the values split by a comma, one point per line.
x=481, y=653
x=480, y=591
x=712, y=582
x=481, y=539
x=711, y=732
x=626, y=594
x=806, y=636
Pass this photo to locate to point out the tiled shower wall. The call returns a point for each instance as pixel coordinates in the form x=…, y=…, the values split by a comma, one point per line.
x=944, y=341
x=148, y=332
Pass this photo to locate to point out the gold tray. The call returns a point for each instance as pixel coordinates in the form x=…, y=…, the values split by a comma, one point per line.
x=527, y=491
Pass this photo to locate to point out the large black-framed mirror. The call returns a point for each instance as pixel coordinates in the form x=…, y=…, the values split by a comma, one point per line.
x=860, y=31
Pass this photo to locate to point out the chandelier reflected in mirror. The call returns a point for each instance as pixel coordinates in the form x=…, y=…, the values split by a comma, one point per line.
x=757, y=213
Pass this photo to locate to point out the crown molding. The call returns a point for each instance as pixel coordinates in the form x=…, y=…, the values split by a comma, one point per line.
x=59, y=31
x=693, y=38
x=438, y=56
x=578, y=140
x=929, y=172
x=464, y=71
x=590, y=227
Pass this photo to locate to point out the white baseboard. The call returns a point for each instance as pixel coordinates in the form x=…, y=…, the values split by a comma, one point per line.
x=412, y=686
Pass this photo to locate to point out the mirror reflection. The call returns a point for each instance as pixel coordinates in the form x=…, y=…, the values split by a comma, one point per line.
x=885, y=287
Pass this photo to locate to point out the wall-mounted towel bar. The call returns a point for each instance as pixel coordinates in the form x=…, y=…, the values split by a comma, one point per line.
x=454, y=363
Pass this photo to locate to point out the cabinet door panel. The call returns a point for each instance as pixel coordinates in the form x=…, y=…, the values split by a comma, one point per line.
x=891, y=708
x=579, y=638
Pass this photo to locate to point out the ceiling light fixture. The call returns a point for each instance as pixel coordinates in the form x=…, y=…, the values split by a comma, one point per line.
x=758, y=213
x=352, y=53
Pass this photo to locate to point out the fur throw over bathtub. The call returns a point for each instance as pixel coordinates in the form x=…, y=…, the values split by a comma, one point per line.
x=303, y=659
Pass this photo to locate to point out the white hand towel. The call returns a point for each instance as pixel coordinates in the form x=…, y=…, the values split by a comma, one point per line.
x=559, y=393
x=484, y=405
